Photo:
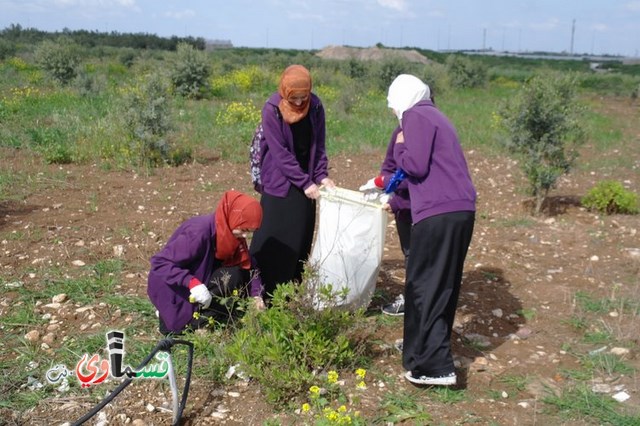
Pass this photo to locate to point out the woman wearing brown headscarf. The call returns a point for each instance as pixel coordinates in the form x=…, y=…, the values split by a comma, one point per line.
x=294, y=164
x=206, y=256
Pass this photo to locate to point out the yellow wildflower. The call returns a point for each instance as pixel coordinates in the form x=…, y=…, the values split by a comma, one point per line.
x=305, y=407
x=361, y=373
x=361, y=385
x=332, y=376
x=314, y=390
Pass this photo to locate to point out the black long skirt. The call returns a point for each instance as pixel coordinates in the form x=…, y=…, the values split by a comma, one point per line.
x=282, y=244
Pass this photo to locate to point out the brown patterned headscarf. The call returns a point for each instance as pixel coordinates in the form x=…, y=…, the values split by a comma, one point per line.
x=295, y=81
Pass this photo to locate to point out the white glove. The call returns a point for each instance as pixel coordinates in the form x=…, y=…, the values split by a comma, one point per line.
x=369, y=185
x=201, y=295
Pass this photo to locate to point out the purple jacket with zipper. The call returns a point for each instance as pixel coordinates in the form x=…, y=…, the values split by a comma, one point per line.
x=400, y=203
x=431, y=155
x=189, y=253
x=280, y=169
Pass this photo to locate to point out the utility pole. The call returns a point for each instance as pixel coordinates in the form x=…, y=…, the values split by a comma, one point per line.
x=573, y=31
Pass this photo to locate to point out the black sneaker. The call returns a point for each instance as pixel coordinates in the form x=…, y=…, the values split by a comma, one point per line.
x=396, y=308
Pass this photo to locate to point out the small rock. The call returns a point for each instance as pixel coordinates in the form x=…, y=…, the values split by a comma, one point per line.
x=54, y=305
x=234, y=394
x=59, y=298
x=32, y=336
x=138, y=422
x=601, y=388
x=524, y=333
x=78, y=263
x=49, y=338
x=621, y=396
x=620, y=351
x=150, y=408
x=497, y=313
x=594, y=258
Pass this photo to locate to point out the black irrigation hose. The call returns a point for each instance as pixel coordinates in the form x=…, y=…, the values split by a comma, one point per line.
x=163, y=345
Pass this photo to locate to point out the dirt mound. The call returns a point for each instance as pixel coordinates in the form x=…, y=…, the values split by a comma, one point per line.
x=370, y=54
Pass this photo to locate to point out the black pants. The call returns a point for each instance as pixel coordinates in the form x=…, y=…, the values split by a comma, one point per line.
x=439, y=246
x=282, y=244
x=404, y=234
x=222, y=284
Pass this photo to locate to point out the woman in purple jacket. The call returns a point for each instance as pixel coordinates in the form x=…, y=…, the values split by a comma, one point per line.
x=443, y=208
x=206, y=255
x=400, y=205
x=294, y=164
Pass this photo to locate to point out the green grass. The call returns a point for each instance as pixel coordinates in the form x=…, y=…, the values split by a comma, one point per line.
x=581, y=404
x=402, y=406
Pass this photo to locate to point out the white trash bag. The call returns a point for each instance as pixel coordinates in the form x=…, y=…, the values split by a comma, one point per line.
x=349, y=243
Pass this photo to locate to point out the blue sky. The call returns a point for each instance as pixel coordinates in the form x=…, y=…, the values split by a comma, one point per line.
x=601, y=26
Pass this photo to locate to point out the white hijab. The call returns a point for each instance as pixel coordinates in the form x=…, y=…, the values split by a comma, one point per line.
x=406, y=91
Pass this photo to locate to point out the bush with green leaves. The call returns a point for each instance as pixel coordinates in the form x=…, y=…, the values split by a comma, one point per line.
x=60, y=59
x=190, y=73
x=544, y=131
x=464, y=72
x=286, y=346
x=610, y=197
x=147, y=114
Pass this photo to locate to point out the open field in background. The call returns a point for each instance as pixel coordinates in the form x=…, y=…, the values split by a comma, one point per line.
x=548, y=324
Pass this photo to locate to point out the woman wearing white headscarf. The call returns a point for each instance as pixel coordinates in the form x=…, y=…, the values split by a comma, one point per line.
x=443, y=212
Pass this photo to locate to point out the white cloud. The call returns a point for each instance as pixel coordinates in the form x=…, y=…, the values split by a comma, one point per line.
x=187, y=13
x=399, y=5
x=633, y=6
x=600, y=27
x=549, y=24
x=94, y=3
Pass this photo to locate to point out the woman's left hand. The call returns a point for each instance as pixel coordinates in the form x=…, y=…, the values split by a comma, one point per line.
x=330, y=184
x=400, y=137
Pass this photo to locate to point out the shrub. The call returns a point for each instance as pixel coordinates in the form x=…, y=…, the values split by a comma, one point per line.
x=7, y=49
x=59, y=58
x=544, y=131
x=610, y=197
x=284, y=347
x=147, y=120
x=464, y=72
x=190, y=72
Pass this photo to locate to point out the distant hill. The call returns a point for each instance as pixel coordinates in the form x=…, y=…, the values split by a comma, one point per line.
x=371, y=54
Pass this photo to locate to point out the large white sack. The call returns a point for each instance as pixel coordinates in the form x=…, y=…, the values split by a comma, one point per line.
x=349, y=243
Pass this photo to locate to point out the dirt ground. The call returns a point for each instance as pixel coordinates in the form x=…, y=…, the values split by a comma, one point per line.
x=518, y=296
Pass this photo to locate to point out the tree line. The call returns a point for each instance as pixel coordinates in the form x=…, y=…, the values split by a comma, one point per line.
x=16, y=35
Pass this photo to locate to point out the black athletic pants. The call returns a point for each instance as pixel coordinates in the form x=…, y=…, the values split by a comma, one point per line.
x=439, y=246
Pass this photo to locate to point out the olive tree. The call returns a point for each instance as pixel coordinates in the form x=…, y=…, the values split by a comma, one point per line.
x=544, y=131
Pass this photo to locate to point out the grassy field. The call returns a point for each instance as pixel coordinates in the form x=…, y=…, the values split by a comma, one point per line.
x=124, y=118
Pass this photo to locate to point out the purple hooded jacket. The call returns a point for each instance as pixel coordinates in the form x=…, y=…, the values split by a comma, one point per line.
x=431, y=155
x=189, y=253
x=280, y=169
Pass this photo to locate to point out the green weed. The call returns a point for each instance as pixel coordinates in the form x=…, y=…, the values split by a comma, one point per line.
x=402, y=406
x=582, y=404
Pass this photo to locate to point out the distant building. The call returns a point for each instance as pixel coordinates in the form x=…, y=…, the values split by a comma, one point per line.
x=218, y=44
